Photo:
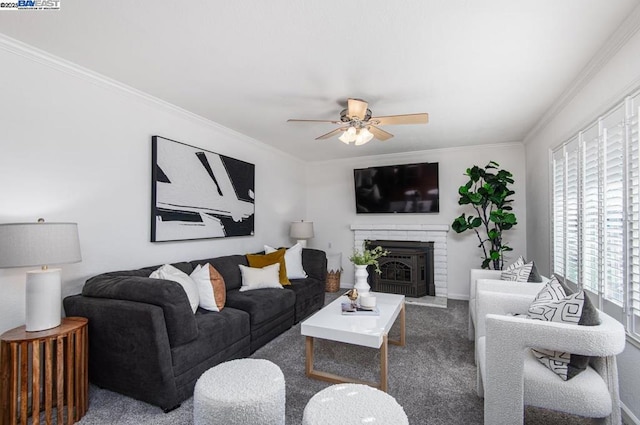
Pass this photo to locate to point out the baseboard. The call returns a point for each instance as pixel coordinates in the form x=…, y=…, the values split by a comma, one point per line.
x=628, y=418
x=462, y=297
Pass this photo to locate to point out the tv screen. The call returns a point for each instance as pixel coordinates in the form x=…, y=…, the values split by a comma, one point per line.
x=407, y=188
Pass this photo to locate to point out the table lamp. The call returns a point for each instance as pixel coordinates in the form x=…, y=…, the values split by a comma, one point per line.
x=301, y=230
x=40, y=244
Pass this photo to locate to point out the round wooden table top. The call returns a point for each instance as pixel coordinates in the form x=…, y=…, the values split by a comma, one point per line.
x=68, y=324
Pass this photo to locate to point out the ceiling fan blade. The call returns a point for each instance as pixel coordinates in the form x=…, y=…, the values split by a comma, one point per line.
x=357, y=108
x=331, y=121
x=379, y=133
x=401, y=119
x=331, y=133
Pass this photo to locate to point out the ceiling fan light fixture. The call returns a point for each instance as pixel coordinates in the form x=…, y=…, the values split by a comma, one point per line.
x=345, y=138
x=359, y=126
x=364, y=136
x=349, y=136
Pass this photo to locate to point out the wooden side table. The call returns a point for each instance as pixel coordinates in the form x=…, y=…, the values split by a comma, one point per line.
x=45, y=370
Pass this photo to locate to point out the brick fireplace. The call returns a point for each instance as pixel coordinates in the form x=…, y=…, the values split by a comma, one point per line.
x=411, y=233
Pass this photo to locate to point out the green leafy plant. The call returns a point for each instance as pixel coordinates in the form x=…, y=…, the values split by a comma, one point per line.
x=368, y=257
x=487, y=191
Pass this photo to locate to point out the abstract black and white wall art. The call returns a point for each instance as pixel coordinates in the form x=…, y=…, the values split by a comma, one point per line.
x=197, y=194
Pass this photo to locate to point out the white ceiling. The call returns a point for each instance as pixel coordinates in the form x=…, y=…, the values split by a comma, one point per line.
x=485, y=70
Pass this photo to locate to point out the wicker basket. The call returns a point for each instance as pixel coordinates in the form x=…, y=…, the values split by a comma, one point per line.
x=333, y=282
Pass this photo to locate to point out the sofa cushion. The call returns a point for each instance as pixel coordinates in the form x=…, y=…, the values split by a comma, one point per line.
x=309, y=296
x=262, y=304
x=227, y=266
x=216, y=332
x=264, y=260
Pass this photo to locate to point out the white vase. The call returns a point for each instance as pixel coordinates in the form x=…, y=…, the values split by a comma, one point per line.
x=361, y=279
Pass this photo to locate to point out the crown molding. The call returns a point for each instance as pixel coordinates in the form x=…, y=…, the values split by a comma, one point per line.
x=411, y=155
x=611, y=47
x=42, y=57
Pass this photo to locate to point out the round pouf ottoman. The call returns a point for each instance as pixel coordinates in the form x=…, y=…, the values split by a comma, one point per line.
x=240, y=392
x=353, y=404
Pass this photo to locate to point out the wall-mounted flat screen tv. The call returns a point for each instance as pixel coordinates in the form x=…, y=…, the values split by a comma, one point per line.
x=406, y=188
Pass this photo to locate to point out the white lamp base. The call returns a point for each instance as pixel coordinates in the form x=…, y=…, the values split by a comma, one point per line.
x=43, y=300
x=302, y=242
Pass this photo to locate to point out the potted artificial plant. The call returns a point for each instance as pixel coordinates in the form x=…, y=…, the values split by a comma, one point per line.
x=487, y=192
x=361, y=260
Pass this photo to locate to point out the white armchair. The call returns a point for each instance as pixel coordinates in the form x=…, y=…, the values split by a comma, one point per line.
x=510, y=377
x=493, y=282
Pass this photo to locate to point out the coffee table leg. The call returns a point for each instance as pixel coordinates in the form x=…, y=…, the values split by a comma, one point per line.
x=309, y=358
x=337, y=379
x=383, y=363
x=400, y=341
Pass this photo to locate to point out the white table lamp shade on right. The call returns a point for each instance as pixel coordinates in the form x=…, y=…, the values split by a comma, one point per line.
x=301, y=231
x=40, y=244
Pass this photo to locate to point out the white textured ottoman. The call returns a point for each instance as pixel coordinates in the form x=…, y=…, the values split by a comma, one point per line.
x=353, y=404
x=240, y=392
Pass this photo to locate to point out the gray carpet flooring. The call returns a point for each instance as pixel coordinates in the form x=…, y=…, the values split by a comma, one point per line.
x=433, y=377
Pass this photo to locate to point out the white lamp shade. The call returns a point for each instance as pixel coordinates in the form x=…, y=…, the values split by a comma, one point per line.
x=38, y=244
x=301, y=230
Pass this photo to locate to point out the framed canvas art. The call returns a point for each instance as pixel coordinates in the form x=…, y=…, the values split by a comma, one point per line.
x=197, y=194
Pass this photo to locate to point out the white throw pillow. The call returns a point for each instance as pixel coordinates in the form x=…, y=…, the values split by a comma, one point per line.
x=168, y=272
x=255, y=278
x=292, y=260
x=206, y=291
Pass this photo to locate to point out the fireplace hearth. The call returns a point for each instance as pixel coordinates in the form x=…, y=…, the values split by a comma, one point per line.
x=406, y=270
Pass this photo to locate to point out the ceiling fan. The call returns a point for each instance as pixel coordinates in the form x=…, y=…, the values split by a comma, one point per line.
x=357, y=124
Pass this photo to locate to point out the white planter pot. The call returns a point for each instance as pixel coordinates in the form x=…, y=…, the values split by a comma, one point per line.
x=361, y=279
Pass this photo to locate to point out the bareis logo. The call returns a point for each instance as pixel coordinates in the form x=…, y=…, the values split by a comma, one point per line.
x=30, y=5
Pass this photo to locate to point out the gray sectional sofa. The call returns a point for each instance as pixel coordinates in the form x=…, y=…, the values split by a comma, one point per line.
x=146, y=343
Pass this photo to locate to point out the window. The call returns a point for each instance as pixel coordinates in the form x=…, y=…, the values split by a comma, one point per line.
x=596, y=212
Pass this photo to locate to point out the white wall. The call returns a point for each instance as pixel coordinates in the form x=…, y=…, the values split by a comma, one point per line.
x=331, y=205
x=618, y=77
x=73, y=148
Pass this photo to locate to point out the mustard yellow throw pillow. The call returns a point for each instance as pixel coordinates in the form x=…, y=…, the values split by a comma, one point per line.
x=260, y=261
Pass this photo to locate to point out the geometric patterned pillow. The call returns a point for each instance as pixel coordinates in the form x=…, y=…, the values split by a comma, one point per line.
x=521, y=271
x=518, y=274
x=552, y=304
x=518, y=263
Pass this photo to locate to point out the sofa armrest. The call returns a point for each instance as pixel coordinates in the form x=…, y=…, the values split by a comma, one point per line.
x=506, y=345
x=502, y=303
x=476, y=274
x=605, y=339
x=166, y=294
x=128, y=347
x=314, y=262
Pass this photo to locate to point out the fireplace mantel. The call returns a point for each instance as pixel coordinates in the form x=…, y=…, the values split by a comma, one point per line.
x=411, y=232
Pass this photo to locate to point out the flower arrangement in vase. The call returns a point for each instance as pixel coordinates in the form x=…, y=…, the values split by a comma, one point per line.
x=368, y=257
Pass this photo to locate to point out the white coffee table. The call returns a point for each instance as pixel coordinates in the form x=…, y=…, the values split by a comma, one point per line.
x=367, y=331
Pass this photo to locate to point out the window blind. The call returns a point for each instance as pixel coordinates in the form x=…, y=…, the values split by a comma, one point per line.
x=558, y=211
x=596, y=211
x=633, y=229
x=591, y=212
x=613, y=130
x=571, y=219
